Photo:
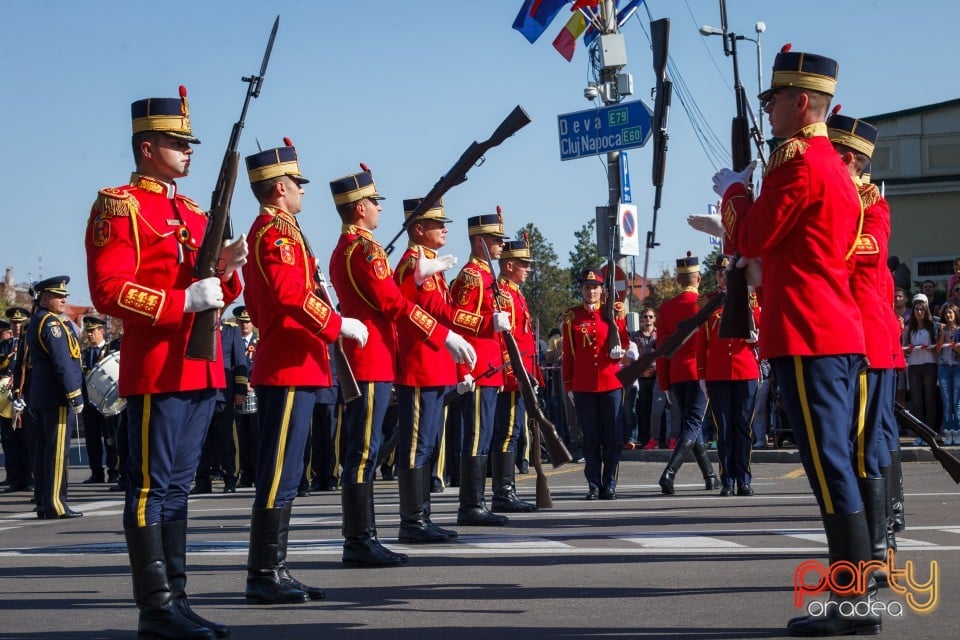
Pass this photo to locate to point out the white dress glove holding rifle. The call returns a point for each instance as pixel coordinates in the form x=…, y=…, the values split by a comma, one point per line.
x=461, y=350
x=233, y=255
x=202, y=295
x=354, y=330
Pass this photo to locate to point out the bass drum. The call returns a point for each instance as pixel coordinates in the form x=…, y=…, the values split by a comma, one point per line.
x=103, y=385
x=6, y=404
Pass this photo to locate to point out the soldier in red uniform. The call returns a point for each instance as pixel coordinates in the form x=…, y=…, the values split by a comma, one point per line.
x=142, y=240
x=680, y=375
x=424, y=374
x=731, y=374
x=296, y=327
x=804, y=227
x=511, y=416
x=477, y=316
x=362, y=279
x=590, y=379
x=871, y=285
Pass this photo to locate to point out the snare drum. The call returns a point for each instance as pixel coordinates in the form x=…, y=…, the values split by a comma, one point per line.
x=249, y=405
x=103, y=385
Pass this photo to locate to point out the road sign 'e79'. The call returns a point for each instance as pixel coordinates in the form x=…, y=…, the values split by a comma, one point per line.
x=596, y=131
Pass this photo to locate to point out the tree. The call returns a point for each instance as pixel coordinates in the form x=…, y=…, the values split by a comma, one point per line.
x=546, y=288
x=583, y=256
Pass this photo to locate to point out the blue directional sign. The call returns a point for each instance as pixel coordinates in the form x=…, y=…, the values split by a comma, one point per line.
x=626, y=195
x=595, y=131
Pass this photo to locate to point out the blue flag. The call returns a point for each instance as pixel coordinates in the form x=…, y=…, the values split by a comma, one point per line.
x=535, y=16
x=592, y=33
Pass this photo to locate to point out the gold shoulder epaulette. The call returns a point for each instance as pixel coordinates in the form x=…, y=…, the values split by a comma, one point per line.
x=470, y=278
x=285, y=228
x=191, y=204
x=568, y=314
x=114, y=203
x=785, y=152
x=869, y=195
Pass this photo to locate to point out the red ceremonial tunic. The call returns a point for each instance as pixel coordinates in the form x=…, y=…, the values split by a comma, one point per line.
x=141, y=241
x=723, y=359
x=515, y=304
x=682, y=366
x=804, y=226
x=296, y=326
x=472, y=292
x=587, y=365
x=421, y=364
x=866, y=282
x=362, y=278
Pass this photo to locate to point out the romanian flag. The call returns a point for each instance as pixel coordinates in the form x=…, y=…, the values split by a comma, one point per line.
x=566, y=40
x=535, y=16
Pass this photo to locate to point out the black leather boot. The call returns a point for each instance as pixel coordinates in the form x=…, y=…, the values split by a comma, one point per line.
x=874, y=495
x=473, y=509
x=896, y=472
x=848, y=539
x=159, y=619
x=710, y=479
x=175, y=551
x=283, y=536
x=360, y=546
x=504, y=484
x=887, y=473
x=413, y=525
x=264, y=583
x=449, y=533
x=673, y=465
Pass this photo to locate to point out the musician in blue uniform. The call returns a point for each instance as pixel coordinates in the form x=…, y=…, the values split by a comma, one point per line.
x=17, y=458
x=99, y=431
x=55, y=394
x=325, y=460
x=247, y=416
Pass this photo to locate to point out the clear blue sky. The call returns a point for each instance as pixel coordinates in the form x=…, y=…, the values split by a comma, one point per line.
x=403, y=87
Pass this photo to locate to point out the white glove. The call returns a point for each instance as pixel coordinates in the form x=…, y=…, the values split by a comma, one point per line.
x=617, y=352
x=633, y=352
x=202, y=295
x=461, y=350
x=233, y=255
x=76, y=409
x=427, y=267
x=501, y=321
x=703, y=386
x=19, y=405
x=711, y=225
x=666, y=396
x=570, y=396
x=466, y=385
x=726, y=178
x=353, y=329
x=754, y=270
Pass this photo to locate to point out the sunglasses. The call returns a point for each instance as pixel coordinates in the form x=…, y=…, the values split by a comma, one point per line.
x=649, y=316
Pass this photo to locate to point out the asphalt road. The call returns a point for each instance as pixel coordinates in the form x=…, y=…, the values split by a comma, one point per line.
x=692, y=566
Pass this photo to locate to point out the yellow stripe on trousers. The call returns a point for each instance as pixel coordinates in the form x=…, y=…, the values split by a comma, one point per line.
x=367, y=433
x=861, y=424
x=281, y=448
x=59, y=464
x=811, y=436
x=411, y=460
x=145, y=461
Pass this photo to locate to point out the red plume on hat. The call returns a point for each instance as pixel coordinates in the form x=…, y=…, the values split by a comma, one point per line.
x=287, y=142
x=786, y=48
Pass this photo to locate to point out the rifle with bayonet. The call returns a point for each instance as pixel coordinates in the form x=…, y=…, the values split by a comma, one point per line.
x=457, y=174
x=453, y=394
x=559, y=455
x=929, y=436
x=736, y=321
x=685, y=330
x=202, y=343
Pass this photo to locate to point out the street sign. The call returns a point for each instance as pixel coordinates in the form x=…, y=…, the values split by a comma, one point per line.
x=626, y=196
x=612, y=128
x=629, y=238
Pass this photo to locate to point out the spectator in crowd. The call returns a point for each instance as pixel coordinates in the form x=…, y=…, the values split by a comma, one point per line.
x=900, y=304
x=929, y=289
x=953, y=297
x=948, y=371
x=918, y=336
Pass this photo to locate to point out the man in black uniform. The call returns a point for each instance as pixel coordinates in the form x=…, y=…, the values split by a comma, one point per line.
x=16, y=452
x=55, y=394
x=98, y=430
x=247, y=419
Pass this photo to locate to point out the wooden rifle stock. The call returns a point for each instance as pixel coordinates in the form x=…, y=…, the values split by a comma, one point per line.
x=457, y=174
x=929, y=436
x=202, y=343
x=685, y=330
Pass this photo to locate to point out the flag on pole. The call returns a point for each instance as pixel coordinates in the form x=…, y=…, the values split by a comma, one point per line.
x=566, y=40
x=535, y=16
x=592, y=33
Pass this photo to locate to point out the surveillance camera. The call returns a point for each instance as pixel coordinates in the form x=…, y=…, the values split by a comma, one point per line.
x=591, y=92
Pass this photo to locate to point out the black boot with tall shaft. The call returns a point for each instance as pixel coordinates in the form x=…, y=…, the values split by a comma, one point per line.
x=175, y=552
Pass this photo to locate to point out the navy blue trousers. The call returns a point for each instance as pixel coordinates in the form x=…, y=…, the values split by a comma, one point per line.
x=53, y=453
x=732, y=404
x=693, y=408
x=165, y=433
x=510, y=421
x=478, y=410
x=361, y=432
x=421, y=422
x=285, y=414
x=599, y=416
x=817, y=393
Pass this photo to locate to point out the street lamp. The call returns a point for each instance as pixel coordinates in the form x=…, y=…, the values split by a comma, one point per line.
x=760, y=27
